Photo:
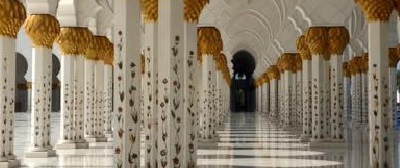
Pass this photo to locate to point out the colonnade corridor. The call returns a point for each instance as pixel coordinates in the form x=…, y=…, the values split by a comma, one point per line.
x=244, y=140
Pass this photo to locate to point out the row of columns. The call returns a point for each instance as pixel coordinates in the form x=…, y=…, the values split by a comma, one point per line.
x=86, y=77
x=359, y=94
x=185, y=83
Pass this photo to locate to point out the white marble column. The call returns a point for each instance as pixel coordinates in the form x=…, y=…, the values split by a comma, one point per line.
x=150, y=87
x=305, y=87
x=7, y=62
x=41, y=82
x=14, y=17
x=259, y=105
x=108, y=98
x=338, y=40
x=307, y=99
x=392, y=105
x=287, y=64
x=67, y=99
x=90, y=114
x=364, y=91
x=265, y=95
x=326, y=96
x=378, y=16
x=99, y=100
x=205, y=124
x=127, y=84
x=316, y=39
x=298, y=83
x=273, y=74
x=79, y=95
x=346, y=99
x=171, y=133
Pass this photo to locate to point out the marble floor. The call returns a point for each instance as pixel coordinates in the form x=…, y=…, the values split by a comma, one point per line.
x=244, y=140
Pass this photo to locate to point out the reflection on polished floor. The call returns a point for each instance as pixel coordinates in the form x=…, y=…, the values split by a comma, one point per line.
x=245, y=140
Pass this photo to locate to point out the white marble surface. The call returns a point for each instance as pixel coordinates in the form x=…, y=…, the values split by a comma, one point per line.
x=245, y=140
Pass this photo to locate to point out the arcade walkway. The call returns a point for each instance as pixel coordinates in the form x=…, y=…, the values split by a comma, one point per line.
x=245, y=140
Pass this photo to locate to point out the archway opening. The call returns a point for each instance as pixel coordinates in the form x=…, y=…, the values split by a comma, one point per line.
x=243, y=97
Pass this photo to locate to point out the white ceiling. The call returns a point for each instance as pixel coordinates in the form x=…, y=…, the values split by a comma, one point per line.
x=267, y=28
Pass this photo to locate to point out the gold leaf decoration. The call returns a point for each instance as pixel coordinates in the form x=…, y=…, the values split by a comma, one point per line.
x=42, y=29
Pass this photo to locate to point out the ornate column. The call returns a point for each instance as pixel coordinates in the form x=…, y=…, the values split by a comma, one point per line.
x=338, y=40
x=150, y=10
x=42, y=29
x=298, y=83
x=364, y=90
x=274, y=75
x=287, y=62
x=346, y=98
x=73, y=43
x=13, y=17
x=108, y=90
x=171, y=108
x=192, y=10
x=265, y=95
x=206, y=50
x=378, y=14
x=327, y=92
x=392, y=105
x=356, y=105
x=306, y=87
x=317, y=41
x=127, y=84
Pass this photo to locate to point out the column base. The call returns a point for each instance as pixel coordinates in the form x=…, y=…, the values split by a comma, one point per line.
x=72, y=145
x=305, y=138
x=325, y=144
x=96, y=139
x=40, y=154
x=109, y=137
x=10, y=164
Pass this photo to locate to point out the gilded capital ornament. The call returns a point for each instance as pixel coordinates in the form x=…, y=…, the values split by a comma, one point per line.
x=317, y=40
x=273, y=72
x=150, y=10
x=109, y=56
x=12, y=17
x=193, y=9
x=42, y=29
x=302, y=48
x=287, y=62
x=346, y=70
x=393, y=57
x=364, y=63
x=377, y=10
x=338, y=39
x=93, y=48
x=74, y=40
x=299, y=62
x=210, y=42
x=355, y=65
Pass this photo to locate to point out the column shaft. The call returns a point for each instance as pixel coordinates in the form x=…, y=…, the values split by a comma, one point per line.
x=127, y=84
x=307, y=99
x=171, y=113
x=150, y=87
x=108, y=76
x=274, y=99
x=318, y=99
x=79, y=95
x=336, y=97
x=67, y=99
x=90, y=111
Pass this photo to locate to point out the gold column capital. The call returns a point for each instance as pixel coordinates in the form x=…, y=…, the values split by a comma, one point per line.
x=287, y=62
x=393, y=57
x=74, y=40
x=210, y=42
x=355, y=65
x=377, y=10
x=150, y=10
x=273, y=72
x=302, y=48
x=109, y=56
x=93, y=48
x=12, y=17
x=299, y=62
x=193, y=9
x=364, y=63
x=346, y=70
x=317, y=40
x=42, y=29
x=338, y=39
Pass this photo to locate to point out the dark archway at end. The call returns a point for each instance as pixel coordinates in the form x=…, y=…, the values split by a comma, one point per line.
x=243, y=97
